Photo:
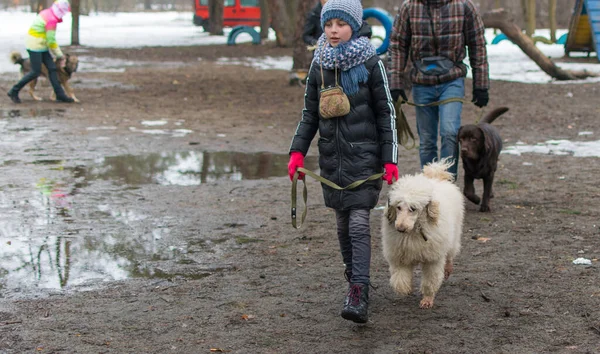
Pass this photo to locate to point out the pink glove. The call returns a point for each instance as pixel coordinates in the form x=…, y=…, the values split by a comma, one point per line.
x=391, y=173
x=296, y=160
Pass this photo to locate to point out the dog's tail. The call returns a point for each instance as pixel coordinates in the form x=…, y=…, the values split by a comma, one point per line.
x=491, y=116
x=16, y=58
x=439, y=170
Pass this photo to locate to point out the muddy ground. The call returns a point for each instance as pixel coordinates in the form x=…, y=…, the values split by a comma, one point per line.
x=231, y=274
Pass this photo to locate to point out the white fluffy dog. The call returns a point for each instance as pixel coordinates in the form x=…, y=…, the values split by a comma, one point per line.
x=422, y=224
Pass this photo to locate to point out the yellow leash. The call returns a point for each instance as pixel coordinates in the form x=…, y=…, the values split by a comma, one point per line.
x=324, y=181
x=404, y=134
x=403, y=128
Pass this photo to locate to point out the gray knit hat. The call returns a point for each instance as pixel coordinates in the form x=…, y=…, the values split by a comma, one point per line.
x=350, y=11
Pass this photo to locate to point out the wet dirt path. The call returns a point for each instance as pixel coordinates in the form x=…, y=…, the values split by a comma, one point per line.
x=154, y=218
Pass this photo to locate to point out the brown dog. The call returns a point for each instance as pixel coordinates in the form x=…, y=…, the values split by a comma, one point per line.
x=480, y=146
x=63, y=73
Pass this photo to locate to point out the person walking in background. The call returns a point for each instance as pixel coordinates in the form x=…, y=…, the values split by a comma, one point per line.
x=41, y=40
x=353, y=146
x=435, y=34
x=312, y=27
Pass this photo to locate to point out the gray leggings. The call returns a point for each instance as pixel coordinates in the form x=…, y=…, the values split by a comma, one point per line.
x=354, y=234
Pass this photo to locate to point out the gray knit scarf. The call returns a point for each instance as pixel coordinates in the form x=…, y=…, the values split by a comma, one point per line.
x=349, y=57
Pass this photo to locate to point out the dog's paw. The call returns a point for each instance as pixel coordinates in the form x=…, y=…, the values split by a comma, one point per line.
x=448, y=269
x=484, y=208
x=426, y=302
x=400, y=285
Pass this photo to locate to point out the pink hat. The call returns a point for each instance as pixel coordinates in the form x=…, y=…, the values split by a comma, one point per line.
x=60, y=8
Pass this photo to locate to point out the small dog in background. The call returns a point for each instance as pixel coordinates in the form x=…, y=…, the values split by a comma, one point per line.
x=480, y=146
x=63, y=73
x=422, y=224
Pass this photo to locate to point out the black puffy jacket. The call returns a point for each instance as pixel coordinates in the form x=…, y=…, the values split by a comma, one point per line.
x=355, y=146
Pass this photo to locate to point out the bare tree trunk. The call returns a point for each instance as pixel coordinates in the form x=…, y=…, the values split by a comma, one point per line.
x=302, y=57
x=503, y=21
x=39, y=5
x=75, y=9
x=552, y=14
x=265, y=22
x=280, y=21
x=215, y=17
x=147, y=4
x=368, y=3
x=290, y=7
x=530, y=30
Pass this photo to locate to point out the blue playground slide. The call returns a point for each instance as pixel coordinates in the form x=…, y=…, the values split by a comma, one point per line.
x=593, y=10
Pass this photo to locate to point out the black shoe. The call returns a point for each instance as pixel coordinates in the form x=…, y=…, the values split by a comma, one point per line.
x=65, y=99
x=356, y=303
x=14, y=96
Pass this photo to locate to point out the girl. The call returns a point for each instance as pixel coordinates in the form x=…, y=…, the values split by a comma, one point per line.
x=41, y=40
x=351, y=147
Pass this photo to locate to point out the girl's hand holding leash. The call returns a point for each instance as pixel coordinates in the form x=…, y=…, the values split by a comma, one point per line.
x=391, y=173
x=296, y=160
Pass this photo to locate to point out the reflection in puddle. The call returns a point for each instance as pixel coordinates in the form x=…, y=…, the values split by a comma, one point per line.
x=50, y=239
x=31, y=113
x=191, y=168
x=74, y=230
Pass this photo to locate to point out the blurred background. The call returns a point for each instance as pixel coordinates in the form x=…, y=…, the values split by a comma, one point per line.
x=516, y=7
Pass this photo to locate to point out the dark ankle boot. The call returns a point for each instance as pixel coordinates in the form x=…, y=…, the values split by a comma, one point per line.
x=356, y=303
x=14, y=96
x=65, y=99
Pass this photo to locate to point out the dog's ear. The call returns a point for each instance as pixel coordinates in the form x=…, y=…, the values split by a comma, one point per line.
x=390, y=213
x=433, y=211
x=488, y=142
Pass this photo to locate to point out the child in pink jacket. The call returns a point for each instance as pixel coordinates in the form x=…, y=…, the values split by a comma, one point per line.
x=41, y=40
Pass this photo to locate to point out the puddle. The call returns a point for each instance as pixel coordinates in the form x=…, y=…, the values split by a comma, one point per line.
x=264, y=63
x=99, y=84
x=31, y=113
x=191, y=168
x=52, y=237
x=108, y=65
x=176, y=133
x=79, y=228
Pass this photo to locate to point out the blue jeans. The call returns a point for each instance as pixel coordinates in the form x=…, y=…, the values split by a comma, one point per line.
x=446, y=116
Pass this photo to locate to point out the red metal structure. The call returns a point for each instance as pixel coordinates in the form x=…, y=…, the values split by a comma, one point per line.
x=235, y=13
